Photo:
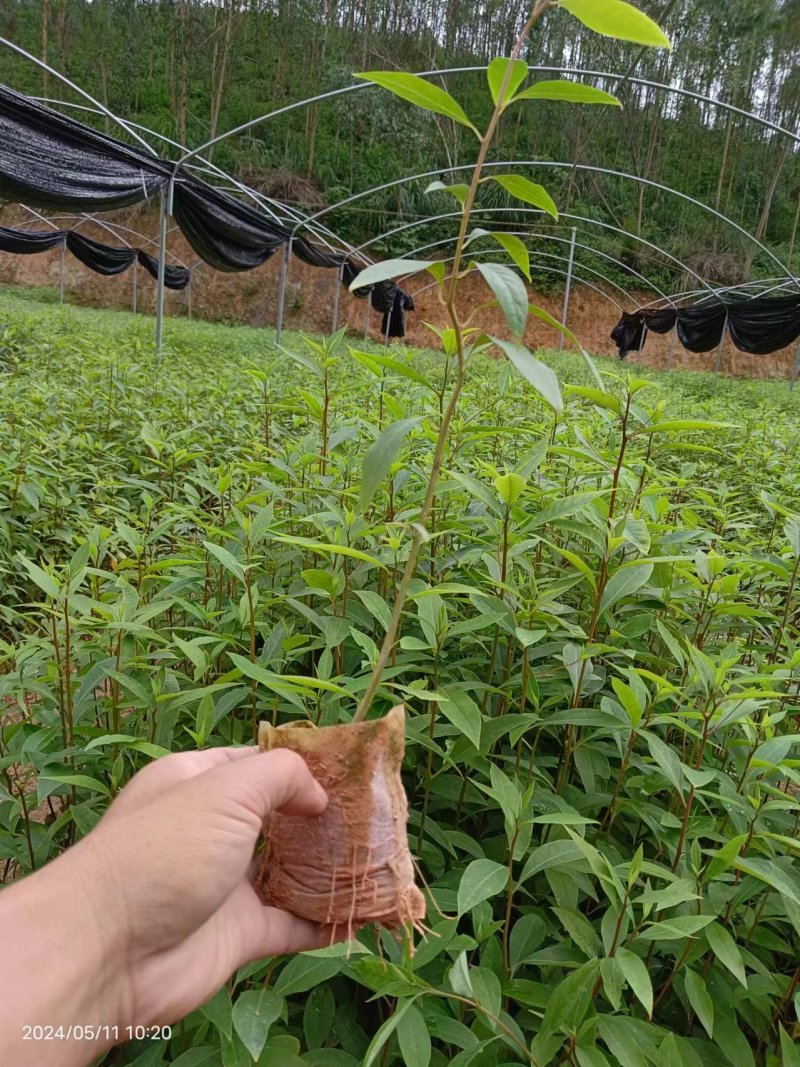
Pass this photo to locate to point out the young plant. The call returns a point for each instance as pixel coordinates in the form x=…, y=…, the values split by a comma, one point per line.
x=505, y=76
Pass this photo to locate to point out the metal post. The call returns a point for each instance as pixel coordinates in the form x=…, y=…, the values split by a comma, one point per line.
x=282, y=290
x=368, y=307
x=337, y=287
x=189, y=297
x=61, y=282
x=672, y=346
x=568, y=286
x=720, y=346
x=162, y=258
x=135, y=287
x=795, y=368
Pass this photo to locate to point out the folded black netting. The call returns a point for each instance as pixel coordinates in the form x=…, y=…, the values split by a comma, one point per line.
x=226, y=233
x=52, y=161
x=628, y=334
x=29, y=242
x=174, y=277
x=660, y=320
x=49, y=160
x=102, y=259
x=700, y=327
x=315, y=256
x=394, y=320
x=761, y=326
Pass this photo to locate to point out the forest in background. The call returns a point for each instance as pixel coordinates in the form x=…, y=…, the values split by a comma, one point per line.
x=190, y=69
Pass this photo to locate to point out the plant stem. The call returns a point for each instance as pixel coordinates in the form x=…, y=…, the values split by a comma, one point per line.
x=419, y=534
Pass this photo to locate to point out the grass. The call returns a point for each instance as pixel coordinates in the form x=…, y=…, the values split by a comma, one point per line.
x=599, y=658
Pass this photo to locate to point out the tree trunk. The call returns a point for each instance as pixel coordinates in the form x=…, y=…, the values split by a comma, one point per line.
x=45, y=27
x=763, y=221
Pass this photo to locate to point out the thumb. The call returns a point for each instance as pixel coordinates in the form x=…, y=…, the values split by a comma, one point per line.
x=264, y=782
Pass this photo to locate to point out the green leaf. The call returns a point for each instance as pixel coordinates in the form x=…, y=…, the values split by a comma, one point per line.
x=80, y=781
x=304, y=972
x=637, y=976
x=599, y=397
x=318, y=1015
x=419, y=92
x=380, y=456
x=386, y=269
x=510, y=488
x=386, y=1031
x=771, y=873
x=618, y=1034
x=229, y=562
x=481, y=880
x=624, y=582
x=526, y=191
x=789, y=1051
x=46, y=582
x=566, y=1008
x=461, y=710
x=618, y=19
x=515, y=248
x=414, y=1038
x=570, y=92
x=553, y=854
x=389, y=363
x=511, y=294
x=458, y=190
x=727, y=951
x=628, y=700
x=496, y=72
x=253, y=1015
x=677, y=928
x=667, y=760
x=218, y=1011
x=540, y=376
x=207, y=1056
x=700, y=1000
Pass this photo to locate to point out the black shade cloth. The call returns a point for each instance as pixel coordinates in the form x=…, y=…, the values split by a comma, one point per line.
x=628, y=334
x=394, y=320
x=102, y=259
x=765, y=325
x=226, y=233
x=700, y=327
x=29, y=242
x=759, y=325
x=660, y=320
x=174, y=277
x=49, y=160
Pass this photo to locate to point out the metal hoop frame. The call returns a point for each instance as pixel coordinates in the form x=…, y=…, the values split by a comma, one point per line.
x=313, y=225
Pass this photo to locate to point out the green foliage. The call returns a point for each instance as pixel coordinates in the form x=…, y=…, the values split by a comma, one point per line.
x=610, y=831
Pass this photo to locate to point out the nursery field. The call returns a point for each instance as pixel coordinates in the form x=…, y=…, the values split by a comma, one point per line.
x=599, y=659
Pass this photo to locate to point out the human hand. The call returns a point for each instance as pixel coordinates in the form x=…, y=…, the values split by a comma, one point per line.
x=160, y=909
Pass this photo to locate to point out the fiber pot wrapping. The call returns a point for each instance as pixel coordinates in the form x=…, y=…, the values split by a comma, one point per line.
x=351, y=865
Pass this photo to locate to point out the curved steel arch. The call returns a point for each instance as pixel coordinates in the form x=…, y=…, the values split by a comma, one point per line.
x=563, y=215
x=550, y=270
x=579, y=71
x=291, y=214
x=383, y=186
x=546, y=237
x=522, y=233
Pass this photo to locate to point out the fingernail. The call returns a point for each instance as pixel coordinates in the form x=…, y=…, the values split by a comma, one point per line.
x=321, y=794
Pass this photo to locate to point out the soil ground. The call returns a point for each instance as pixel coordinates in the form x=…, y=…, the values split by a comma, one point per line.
x=251, y=299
